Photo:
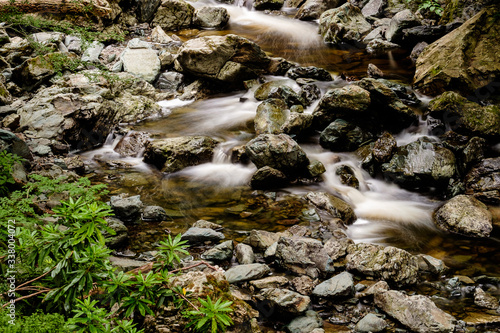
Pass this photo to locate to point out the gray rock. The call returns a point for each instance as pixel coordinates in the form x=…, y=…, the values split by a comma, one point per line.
x=73, y=44
x=211, y=17
x=220, y=252
x=371, y=323
x=271, y=116
x=375, y=288
x=270, y=252
x=343, y=24
x=484, y=300
x=244, y=254
x=201, y=235
x=432, y=264
x=379, y=46
x=170, y=81
x=285, y=300
x=339, y=286
x=312, y=9
x=424, y=316
x=337, y=248
x=121, y=233
x=270, y=282
x=132, y=144
x=173, y=15
x=126, y=208
x=268, y=4
x=464, y=215
x=92, y=53
x=342, y=135
x=125, y=264
x=388, y=263
x=305, y=324
x=261, y=239
x=154, y=214
x=142, y=62
x=417, y=50
x=402, y=20
x=374, y=71
x=484, y=179
x=12, y=144
x=374, y=8
x=158, y=35
x=332, y=205
x=207, y=224
x=248, y=272
x=377, y=33
x=309, y=72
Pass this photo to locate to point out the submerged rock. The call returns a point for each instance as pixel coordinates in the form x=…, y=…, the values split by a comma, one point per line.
x=343, y=24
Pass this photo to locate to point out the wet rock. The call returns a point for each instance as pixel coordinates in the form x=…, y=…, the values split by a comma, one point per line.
x=170, y=81
x=298, y=124
x=374, y=72
x=285, y=300
x=121, y=233
x=268, y=4
x=174, y=154
x=219, y=252
x=464, y=60
x=466, y=117
x=332, y=205
x=141, y=61
x=341, y=135
x=126, y=208
x=403, y=92
x=347, y=176
x=261, y=239
x=339, y=286
x=207, y=224
x=420, y=164
x=389, y=263
x=484, y=180
x=402, y=20
x=424, y=316
x=229, y=58
x=158, y=35
x=267, y=178
x=154, y=214
x=248, y=272
x=201, y=235
x=270, y=282
x=484, y=300
x=312, y=9
x=132, y=144
x=211, y=17
x=309, y=72
x=422, y=33
x=384, y=147
x=379, y=46
x=337, y=247
x=305, y=324
x=271, y=116
x=173, y=15
x=371, y=323
x=464, y=215
x=431, y=264
x=310, y=93
x=343, y=24
x=244, y=254
x=374, y=8
x=417, y=50
x=303, y=255
x=279, y=152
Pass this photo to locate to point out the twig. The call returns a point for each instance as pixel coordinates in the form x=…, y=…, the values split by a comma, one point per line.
x=27, y=296
x=41, y=276
x=195, y=265
x=184, y=298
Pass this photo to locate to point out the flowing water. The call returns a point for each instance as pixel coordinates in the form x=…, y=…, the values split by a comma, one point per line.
x=218, y=191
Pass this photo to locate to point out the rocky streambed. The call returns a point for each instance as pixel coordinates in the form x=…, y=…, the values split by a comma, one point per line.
x=292, y=154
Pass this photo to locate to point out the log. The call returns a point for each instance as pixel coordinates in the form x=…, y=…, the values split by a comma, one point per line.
x=100, y=8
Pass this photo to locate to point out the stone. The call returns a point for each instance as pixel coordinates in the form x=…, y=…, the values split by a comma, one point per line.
x=244, y=254
x=241, y=273
x=303, y=284
x=12, y=144
x=132, y=144
x=207, y=224
x=375, y=288
x=92, y=52
x=484, y=300
x=270, y=282
x=379, y=46
x=464, y=215
x=384, y=148
x=174, y=154
x=388, y=263
x=339, y=286
x=125, y=264
x=433, y=265
x=374, y=72
x=173, y=15
x=146, y=9
x=336, y=207
x=75, y=164
x=374, y=8
x=158, y=35
x=208, y=17
x=261, y=239
x=371, y=323
x=268, y=4
x=417, y=50
x=141, y=62
x=121, y=233
x=312, y=9
x=417, y=312
x=343, y=24
x=271, y=116
x=284, y=300
x=341, y=135
x=402, y=20
x=170, y=81
x=310, y=93
x=196, y=283
x=201, y=235
x=220, y=252
x=484, y=178
x=422, y=33
x=309, y=72
x=154, y=214
x=464, y=60
x=267, y=178
x=126, y=208
x=298, y=124
x=305, y=324
x=337, y=248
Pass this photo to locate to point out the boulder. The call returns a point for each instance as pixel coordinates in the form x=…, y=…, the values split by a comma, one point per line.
x=336, y=248
x=464, y=60
x=248, y=272
x=303, y=284
x=305, y=324
x=132, y=144
x=121, y=233
x=174, y=15
x=142, y=61
x=170, y=81
x=154, y=214
x=384, y=148
x=12, y=144
x=417, y=50
x=310, y=93
x=92, y=52
x=374, y=8
x=344, y=24
x=267, y=178
x=201, y=235
x=371, y=323
x=244, y=254
x=420, y=164
x=298, y=124
x=146, y=9
x=464, y=215
x=312, y=9
x=126, y=208
x=484, y=180
x=261, y=239
x=220, y=252
x=268, y=4
x=158, y=35
x=339, y=286
x=388, y=263
x=484, y=300
x=174, y=154
x=422, y=33
x=341, y=135
x=208, y=17
x=336, y=207
x=374, y=72
x=417, y=312
x=229, y=58
x=309, y=72
x=284, y=300
x=271, y=116
x=378, y=46
x=347, y=176
x=401, y=21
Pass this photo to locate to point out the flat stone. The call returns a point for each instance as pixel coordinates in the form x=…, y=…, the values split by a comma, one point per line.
x=248, y=272
x=341, y=285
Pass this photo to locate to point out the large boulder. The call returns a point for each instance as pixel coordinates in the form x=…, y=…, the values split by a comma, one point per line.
x=174, y=15
x=402, y=20
x=341, y=135
x=211, y=17
x=271, y=115
x=312, y=9
x=174, y=154
x=141, y=60
x=334, y=206
x=484, y=180
x=464, y=215
x=229, y=58
x=417, y=312
x=464, y=60
x=344, y=24
x=388, y=263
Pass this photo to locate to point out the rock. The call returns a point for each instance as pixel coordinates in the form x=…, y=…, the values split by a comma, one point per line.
x=339, y=286
x=125, y=264
x=267, y=178
x=384, y=147
x=374, y=71
x=229, y=58
x=197, y=282
x=207, y=224
x=376, y=34
x=460, y=11
x=341, y=135
x=271, y=251
x=417, y=51
x=220, y=252
x=420, y=164
x=303, y=284
x=11, y=121
x=374, y=8
x=464, y=215
x=402, y=20
x=154, y=214
x=309, y=72
x=35, y=71
x=343, y=25
x=126, y=208
x=244, y=254
x=423, y=317
x=170, y=81
x=315, y=169
x=142, y=62
x=92, y=52
x=389, y=263
x=271, y=116
x=374, y=289
x=298, y=124
x=75, y=164
x=261, y=239
x=132, y=144
x=173, y=15
x=337, y=248
x=279, y=152
x=268, y=4
x=312, y=9
x=332, y=205
x=211, y=17
x=146, y=10
x=284, y=300
x=433, y=265
x=201, y=235
x=422, y=33
x=484, y=179
x=270, y=282
x=303, y=255
x=310, y=93
x=466, y=117
x=12, y=144
x=248, y=272
x=403, y=92
x=379, y=46
x=305, y=324
x=347, y=176
x=158, y=35
x=174, y=154
x=121, y=233
x=464, y=60
x=73, y=44
x=371, y=323
x=485, y=300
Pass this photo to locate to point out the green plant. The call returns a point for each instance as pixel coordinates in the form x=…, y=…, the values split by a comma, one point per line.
x=7, y=161
x=170, y=249
x=37, y=322
x=431, y=5
x=210, y=317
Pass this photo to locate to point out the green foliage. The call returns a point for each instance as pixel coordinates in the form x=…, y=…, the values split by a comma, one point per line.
x=210, y=317
x=7, y=161
x=36, y=323
x=170, y=249
x=431, y=5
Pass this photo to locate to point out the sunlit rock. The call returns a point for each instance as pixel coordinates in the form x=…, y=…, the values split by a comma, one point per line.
x=343, y=24
x=211, y=17
x=173, y=15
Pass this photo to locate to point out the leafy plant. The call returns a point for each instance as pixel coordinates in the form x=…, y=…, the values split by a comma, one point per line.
x=431, y=5
x=37, y=322
x=7, y=161
x=210, y=317
x=170, y=249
